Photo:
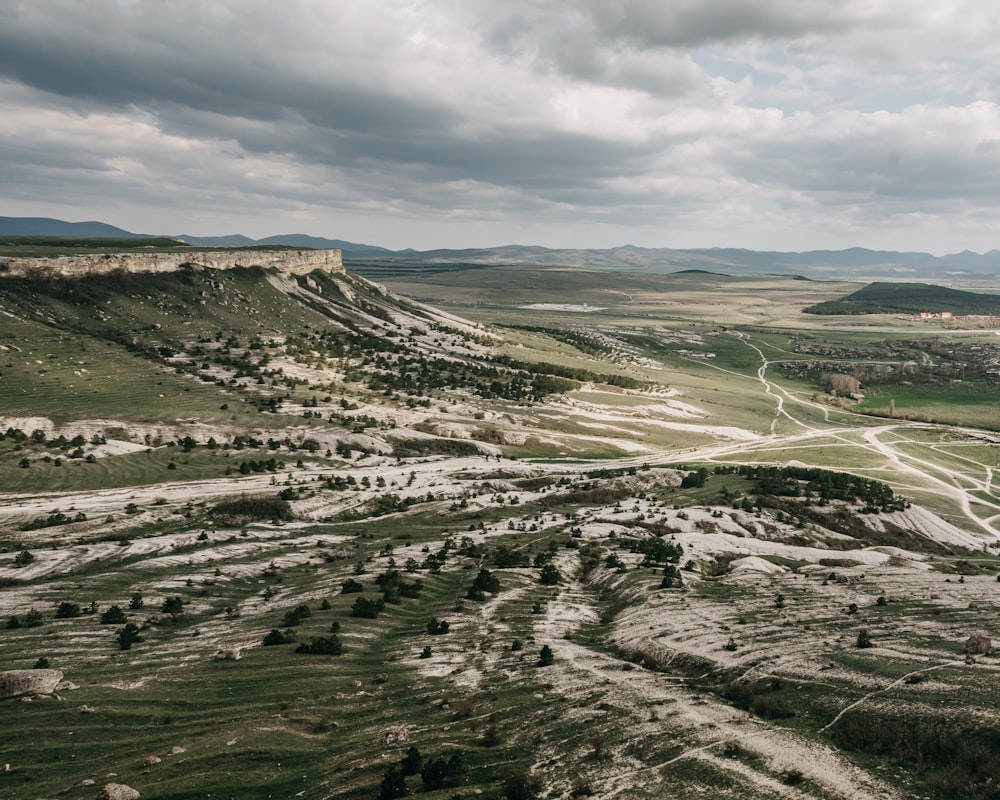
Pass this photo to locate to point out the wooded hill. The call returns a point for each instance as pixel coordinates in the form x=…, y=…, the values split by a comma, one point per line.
x=909, y=298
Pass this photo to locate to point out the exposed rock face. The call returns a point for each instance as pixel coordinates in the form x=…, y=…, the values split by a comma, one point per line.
x=395, y=735
x=117, y=791
x=290, y=262
x=978, y=645
x=16, y=682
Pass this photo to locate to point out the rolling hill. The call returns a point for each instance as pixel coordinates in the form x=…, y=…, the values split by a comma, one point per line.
x=910, y=298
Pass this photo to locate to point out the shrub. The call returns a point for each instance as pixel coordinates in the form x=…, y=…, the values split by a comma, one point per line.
x=254, y=507
x=351, y=586
x=23, y=558
x=275, y=637
x=426, y=652
x=113, y=616
x=322, y=646
x=863, y=640
x=485, y=582
x=67, y=610
x=546, y=657
x=435, y=628
x=295, y=615
x=367, y=609
x=519, y=785
x=128, y=636
x=411, y=761
x=440, y=772
x=393, y=784
x=174, y=606
x=550, y=575
x=136, y=602
x=33, y=619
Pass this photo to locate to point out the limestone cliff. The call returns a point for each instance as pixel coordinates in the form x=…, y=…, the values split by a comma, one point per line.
x=292, y=262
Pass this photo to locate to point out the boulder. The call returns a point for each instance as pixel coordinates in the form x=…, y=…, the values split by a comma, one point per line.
x=18, y=682
x=230, y=654
x=395, y=735
x=978, y=645
x=117, y=791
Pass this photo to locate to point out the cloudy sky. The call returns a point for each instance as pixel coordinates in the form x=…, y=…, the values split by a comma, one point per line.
x=770, y=124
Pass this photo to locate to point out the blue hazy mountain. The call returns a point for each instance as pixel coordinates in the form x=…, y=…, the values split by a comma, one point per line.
x=831, y=264
x=44, y=226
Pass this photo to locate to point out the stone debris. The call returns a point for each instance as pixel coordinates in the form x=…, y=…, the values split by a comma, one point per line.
x=148, y=761
x=117, y=791
x=85, y=709
x=394, y=735
x=231, y=654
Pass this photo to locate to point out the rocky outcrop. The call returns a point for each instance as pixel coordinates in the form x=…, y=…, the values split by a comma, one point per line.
x=290, y=262
x=117, y=791
x=18, y=682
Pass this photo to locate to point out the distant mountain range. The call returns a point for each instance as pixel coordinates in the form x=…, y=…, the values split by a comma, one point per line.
x=819, y=264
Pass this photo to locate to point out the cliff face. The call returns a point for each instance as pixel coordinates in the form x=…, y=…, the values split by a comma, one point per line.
x=292, y=262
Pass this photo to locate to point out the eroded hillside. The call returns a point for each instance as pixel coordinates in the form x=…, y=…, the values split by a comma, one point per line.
x=297, y=536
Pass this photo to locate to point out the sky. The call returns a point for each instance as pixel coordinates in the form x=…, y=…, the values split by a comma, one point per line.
x=767, y=124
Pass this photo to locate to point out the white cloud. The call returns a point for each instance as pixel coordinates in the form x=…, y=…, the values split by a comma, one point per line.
x=780, y=123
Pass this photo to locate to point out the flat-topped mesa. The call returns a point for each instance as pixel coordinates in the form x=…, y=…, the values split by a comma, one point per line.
x=291, y=262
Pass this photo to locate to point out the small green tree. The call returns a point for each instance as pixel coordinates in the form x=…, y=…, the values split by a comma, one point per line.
x=367, y=608
x=519, y=785
x=393, y=784
x=546, y=657
x=295, y=615
x=275, y=637
x=136, y=602
x=113, y=616
x=67, y=610
x=864, y=640
x=550, y=575
x=33, y=619
x=435, y=628
x=411, y=761
x=128, y=636
x=322, y=646
x=23, y=558
x=174, y=606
